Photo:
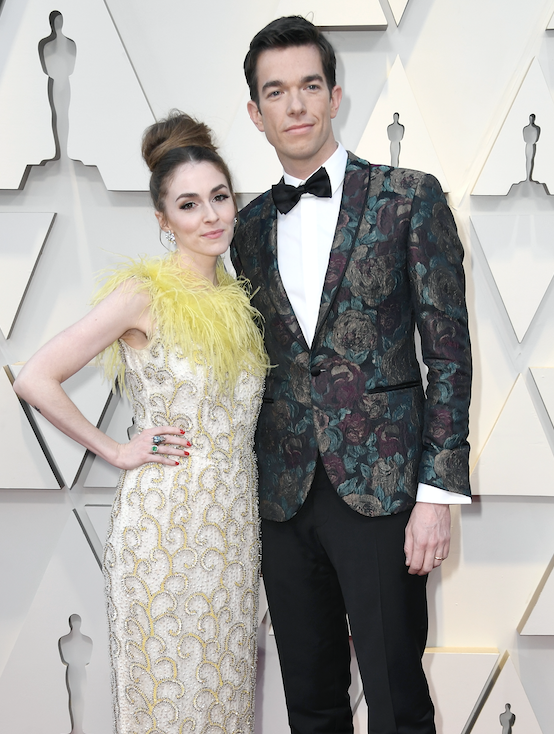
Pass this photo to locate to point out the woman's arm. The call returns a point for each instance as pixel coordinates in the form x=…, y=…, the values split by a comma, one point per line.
x=122, y=314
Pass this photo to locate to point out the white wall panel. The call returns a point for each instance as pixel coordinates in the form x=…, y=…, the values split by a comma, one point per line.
x=72, y=584
x=90, y=394
x=349, y=14
x=507, y=692
x=506, y=164
x=102, y=70
x=22, y=237
x=24, y=465
x=25, y=115
x=398, y=7
x=457, y=678
x=519, y=252
x=539, y=615
x=416, y=147
x=518, y=433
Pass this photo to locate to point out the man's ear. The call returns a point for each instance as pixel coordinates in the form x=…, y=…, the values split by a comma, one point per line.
x=336, y=97
x=255, y=114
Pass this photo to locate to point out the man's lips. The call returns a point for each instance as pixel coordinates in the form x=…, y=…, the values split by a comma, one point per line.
x=297, y=129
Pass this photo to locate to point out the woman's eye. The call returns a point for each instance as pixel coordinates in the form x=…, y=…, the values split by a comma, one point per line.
x=221, y=197
x=187, y=205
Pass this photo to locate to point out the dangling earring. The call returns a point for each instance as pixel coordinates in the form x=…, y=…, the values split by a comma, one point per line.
x=170, y=237
x=235, y=224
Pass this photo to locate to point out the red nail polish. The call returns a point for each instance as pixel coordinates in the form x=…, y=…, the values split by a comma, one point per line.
x=176, y=463
x=181, y=432
x=186, y=453
x=189, y=443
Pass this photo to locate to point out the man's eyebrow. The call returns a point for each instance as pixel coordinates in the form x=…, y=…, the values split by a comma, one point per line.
x=272, y=83
x=304, y=80
x=312, y=78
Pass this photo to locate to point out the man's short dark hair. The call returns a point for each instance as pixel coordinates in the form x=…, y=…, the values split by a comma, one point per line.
x=285, y=32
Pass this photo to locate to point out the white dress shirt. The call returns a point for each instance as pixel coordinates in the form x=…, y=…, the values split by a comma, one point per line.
x=304, y=240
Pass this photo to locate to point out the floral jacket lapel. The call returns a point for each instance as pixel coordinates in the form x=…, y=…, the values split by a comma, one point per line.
x=270, y=270
x=354, y=197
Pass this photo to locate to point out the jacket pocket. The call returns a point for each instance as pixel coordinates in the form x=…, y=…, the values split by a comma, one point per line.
x=393, y=388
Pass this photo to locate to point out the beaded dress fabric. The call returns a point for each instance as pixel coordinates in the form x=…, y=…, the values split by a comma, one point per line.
x=182, y=557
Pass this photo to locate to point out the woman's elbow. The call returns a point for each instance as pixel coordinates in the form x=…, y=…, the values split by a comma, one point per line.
x=25, y=386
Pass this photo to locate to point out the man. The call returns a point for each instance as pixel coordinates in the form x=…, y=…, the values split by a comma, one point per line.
x=342, y=273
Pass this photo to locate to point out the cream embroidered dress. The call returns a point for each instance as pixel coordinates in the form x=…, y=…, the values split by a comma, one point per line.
x=182, y=555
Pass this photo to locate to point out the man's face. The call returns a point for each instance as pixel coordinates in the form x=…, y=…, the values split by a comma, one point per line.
x=296, y=108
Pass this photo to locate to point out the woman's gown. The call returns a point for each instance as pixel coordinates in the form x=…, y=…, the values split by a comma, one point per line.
x=182, y=555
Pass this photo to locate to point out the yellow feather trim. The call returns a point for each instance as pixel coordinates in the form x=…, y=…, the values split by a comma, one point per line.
x=212, y=325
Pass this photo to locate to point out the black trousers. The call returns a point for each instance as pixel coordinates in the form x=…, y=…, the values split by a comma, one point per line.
x=329, y=561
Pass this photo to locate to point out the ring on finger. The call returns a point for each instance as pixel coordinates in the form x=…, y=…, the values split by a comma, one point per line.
x=439, y=558
x=157, y=440
x=154, y=449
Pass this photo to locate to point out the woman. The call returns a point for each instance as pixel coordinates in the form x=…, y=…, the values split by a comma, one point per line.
x=181, y=558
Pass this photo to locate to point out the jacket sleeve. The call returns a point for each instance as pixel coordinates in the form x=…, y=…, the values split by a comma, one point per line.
x=435, y=256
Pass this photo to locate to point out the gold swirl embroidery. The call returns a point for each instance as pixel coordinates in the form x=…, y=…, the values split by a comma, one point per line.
x=182, y=559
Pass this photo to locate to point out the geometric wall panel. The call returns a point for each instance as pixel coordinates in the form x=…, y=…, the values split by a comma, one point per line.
x=332, y=15
x=95, y=521
x=517, y=456
x=544, y=380
x=25, y=113
x=271, y=711
x=539, y=615
x=72, y=584
x=23, y=463
x=261, y=168
x=22, y=237
x=102, y=70
x=550, y=26
x=91, y=395
x=520, y=255
x=507, y=697
x=415, y=147
x=398, y=7
x=262, y=604
x=506, y=164
x=102, y=474
x=457, y=677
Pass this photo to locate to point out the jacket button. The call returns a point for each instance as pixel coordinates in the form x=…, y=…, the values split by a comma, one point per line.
x=315, y=371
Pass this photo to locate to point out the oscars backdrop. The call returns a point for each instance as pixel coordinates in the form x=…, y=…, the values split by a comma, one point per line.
x=462, y=90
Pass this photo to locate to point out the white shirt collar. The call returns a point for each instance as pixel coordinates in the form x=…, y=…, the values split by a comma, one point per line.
x=335, y=166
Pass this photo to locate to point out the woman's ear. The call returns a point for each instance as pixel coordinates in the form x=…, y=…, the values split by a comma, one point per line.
x=162, y=221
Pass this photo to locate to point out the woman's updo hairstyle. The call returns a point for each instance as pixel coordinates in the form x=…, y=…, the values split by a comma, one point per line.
x=169, y=143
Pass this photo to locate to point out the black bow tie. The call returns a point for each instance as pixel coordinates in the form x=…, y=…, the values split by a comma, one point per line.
x=286, y=197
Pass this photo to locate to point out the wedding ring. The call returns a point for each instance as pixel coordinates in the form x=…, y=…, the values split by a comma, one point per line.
x=438, y=558
x=157, y=440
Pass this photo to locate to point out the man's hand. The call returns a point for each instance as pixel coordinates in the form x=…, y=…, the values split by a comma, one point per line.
x=427, y=537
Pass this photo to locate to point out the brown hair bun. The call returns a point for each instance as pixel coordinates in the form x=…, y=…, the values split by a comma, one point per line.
x=169, y=143
x=178, y=130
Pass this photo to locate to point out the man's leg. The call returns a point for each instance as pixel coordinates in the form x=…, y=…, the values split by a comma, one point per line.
x=308, y=616
x=387, y=610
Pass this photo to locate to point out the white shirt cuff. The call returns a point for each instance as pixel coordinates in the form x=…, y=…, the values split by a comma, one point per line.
x=428, y=493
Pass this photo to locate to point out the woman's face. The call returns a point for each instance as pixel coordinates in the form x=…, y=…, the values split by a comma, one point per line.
x=200, y=211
